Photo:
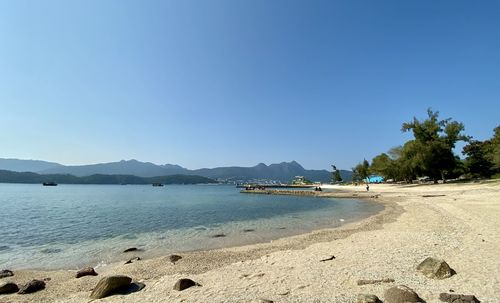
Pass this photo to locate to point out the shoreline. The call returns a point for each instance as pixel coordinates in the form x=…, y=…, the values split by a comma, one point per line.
x=219, y=269
x=265, y=239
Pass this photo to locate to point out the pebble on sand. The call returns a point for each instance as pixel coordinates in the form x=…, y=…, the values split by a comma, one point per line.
x=8, y=288
x=31, y=287
x=87, y=271
x=182, y=284
x=435, y=268
x=400, y=293
x=109, y=285
x=6, y=273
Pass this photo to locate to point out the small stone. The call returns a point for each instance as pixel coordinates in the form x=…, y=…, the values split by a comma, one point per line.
x=174, y=258
x=6, y=273
x=400, y=293
x=109, y=285
x=456, y=298
x=133, y=260
x=31, y=287
x=435, y=268
x=8, y=288
x=87, y=271
x=130, y=249
x=366, y=298
x=182, y=284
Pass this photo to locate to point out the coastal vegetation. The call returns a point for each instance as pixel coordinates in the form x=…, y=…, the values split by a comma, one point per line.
x=28, y=177
x=431, y=153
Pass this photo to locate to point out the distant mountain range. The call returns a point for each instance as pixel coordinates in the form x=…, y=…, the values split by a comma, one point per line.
x=284, y=171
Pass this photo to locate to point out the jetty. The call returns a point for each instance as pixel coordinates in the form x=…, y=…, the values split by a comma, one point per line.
x=312, y=193
x=265, y=186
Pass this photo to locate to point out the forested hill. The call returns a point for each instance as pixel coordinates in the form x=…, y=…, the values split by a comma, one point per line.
x=27, y=177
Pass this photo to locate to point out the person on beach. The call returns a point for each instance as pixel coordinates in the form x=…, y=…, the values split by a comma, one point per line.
x=367, y=187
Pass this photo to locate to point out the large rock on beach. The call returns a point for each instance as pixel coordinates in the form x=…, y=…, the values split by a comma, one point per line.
x=400, y=294
x=8, y=288
x=110, y=285
x=31, y=287
x=456, y=298
x=366, y=298
x=174, y=258
x=87, y=271
x=6, y=273
x=435, y=268
x=182, y=284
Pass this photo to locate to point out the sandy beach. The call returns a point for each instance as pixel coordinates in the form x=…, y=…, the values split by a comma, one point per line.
x=459, y=223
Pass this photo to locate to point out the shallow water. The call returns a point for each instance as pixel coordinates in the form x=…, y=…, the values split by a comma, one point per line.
x=70, y=226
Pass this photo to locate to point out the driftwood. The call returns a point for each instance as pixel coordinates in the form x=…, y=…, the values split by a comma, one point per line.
x=385, y=280
x=327, y=259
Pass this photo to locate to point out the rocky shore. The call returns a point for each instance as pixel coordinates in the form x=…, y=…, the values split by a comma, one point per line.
x=431, y=243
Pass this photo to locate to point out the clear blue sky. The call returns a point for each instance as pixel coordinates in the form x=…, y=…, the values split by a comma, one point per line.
x=215, y=83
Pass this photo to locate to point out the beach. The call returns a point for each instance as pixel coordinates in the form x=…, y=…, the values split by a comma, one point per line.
x=455, y=222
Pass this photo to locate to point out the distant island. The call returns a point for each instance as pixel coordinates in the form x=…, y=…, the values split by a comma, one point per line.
x=29, y=177
x=279, y=172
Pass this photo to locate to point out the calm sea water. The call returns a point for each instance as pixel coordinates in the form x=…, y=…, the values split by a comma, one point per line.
x=70, y=226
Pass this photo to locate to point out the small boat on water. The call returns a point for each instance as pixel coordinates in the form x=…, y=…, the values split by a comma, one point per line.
x=157, y=184
x=49, y=184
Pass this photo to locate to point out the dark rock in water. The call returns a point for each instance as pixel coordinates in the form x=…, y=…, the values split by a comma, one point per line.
x=400, y=293
x=218, y=236
x=133, y=260
x=456, y=298
x=8, y=288
x=87, y=271
x=182, y=284
x=174, y=258
x=131, y=249
x=110, y=285
x=129, y=237
x=248, y=230
x=435, y=268
x=365, y=298
x=51, y=250
x=265, y=301
x=6, y=273
x=31, y=287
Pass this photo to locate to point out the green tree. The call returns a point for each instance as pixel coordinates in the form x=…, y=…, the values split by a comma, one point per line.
x=431, y=152
x=337, y=176
x=478, y=161
x=494, y=153
x=361, y=171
